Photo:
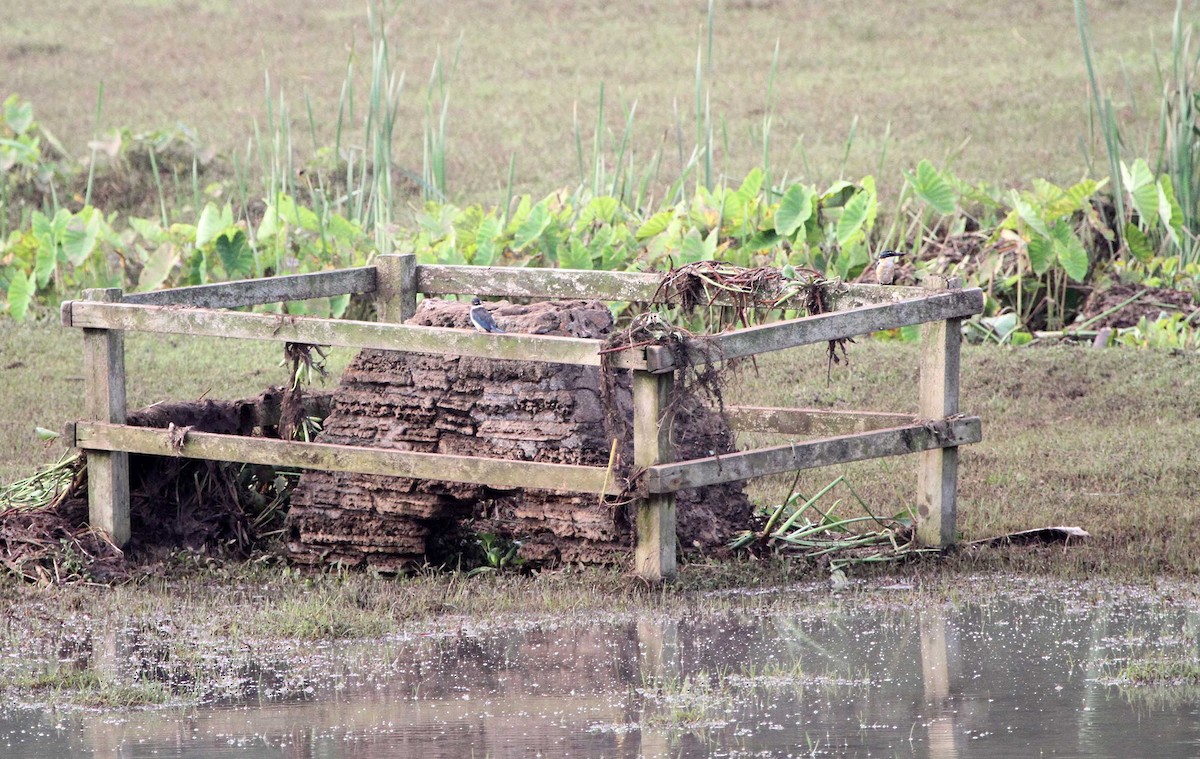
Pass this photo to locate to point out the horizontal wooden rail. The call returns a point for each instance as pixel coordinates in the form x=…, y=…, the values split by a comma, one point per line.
x=344, y=332
x=254, y=292
x=668, y=478
x=938, y=306
x=634, y=287
x=520, y=282
x=495, y=473
x=807, y=421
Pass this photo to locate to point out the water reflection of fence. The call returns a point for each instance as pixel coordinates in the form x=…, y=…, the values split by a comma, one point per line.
x=626, y=687
x=396, y=280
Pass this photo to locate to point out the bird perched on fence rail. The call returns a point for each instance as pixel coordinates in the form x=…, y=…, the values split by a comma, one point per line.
x=481, y=319
x=885, y=269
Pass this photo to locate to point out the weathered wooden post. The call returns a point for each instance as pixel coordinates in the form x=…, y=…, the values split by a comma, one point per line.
x=937, y=476
x=654, y=556
x=104, y=401
x=396, y=286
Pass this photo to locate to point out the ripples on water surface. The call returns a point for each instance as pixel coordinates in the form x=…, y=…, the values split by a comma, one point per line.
x=1011, y=671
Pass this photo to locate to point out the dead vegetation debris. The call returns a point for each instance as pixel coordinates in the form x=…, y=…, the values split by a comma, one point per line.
x=1125, y=305
x=732, y=294
x=214, y=507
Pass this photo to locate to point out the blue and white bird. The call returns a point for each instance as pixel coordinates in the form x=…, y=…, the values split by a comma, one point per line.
x=481, y=319
x=885, y=269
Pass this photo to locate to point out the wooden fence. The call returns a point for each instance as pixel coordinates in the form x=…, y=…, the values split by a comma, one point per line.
x=395, y=281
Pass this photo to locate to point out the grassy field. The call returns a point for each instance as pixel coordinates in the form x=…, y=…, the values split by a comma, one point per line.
x=1103, y=440
x=1007, y=76
x=1097, y=439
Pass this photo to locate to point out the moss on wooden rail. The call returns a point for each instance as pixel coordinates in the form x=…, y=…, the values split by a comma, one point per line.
x=634, y=287
x=502, y=474
x=807, y=421
x=355, y=334
x=254, y=292
x=808, y=330
x=895, y=441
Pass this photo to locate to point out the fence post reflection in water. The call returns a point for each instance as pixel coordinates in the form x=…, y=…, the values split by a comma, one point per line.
x=658, y=644
x=935, y=672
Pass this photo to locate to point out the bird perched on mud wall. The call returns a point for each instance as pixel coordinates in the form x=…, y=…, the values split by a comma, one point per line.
x=481, y=319
x=885, y=269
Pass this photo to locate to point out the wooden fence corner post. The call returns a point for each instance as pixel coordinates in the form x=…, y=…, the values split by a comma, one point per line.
x=937, y=475
x=654, y=555
x=396, y=286
x=104, y=401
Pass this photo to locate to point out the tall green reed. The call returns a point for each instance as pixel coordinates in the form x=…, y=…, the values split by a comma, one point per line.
x=1179, y=130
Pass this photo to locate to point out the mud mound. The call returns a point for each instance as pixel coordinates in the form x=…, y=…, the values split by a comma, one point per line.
x=1155, y=301
x=515, y=410
x=210, y=506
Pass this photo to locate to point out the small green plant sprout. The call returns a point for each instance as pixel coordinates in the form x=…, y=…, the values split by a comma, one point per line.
x=1176, y=333
x=498, y=554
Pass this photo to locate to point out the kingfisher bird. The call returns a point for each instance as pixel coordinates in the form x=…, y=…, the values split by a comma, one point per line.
x=481, y=319
x=885, y=269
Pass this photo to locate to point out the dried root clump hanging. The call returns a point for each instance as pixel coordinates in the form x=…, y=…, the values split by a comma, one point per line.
x=294, y=421
x=735, y=295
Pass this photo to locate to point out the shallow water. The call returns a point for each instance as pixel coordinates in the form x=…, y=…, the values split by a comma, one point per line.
x=1018, y=670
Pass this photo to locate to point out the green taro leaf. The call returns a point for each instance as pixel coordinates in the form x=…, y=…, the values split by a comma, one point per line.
x=212, y=223
x=1070, y=252
x=575, y=255
x=79, y=237
x=1073, y=199
x=1041, y=254
x=1139, y=183
x=1028, y=214
x=485, y=241
x=794, y=210
x=236, y=255
x=290, y=212
x=20, y=294
x=1138, y=244
x=151, y=231
x=158, y=268
x=933, y=188
x=599, y=209
x=655, y=225
x=534, y=226
x=1169, y=212
x=46, y=262
x=762, y=240
x=343, y=230
x=751, y=185
x=853, y=217
x=693, y=249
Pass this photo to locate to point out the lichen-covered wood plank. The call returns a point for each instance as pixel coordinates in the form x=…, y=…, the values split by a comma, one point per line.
x=515, y=282
x=355, y=334
x=666, y=478
x=937, y=472
x=833, y=326
x=654, y=555
x=396, y=286
x=847, y=296
x=496, y=473
x=636, y=287
x=104, y=401
x=254, y=292
x=806, y=421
